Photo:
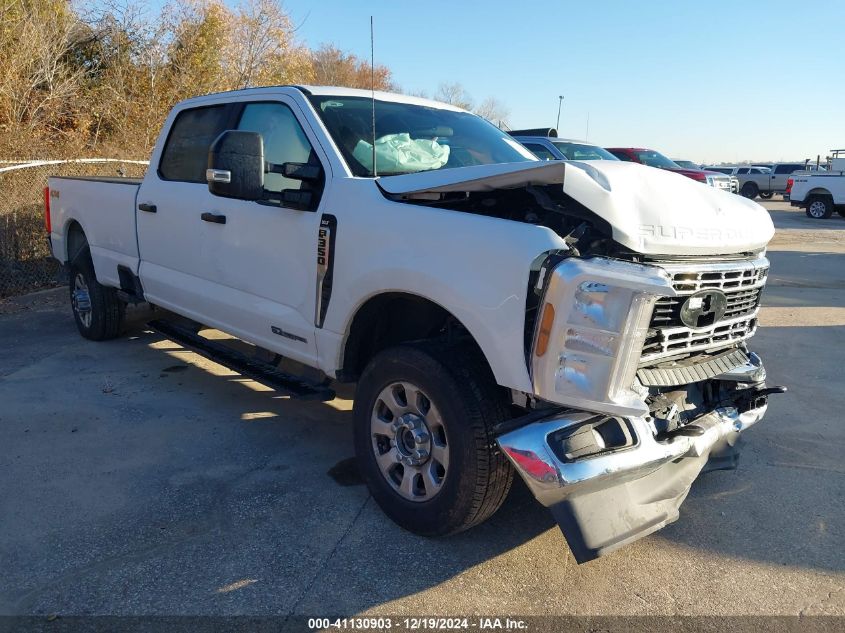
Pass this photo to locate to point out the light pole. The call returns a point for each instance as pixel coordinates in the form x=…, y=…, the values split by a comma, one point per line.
x=559, y=104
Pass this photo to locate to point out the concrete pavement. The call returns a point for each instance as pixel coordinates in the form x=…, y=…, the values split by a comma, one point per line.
x=139, y=478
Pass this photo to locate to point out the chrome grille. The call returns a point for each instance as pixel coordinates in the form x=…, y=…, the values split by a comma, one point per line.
x=740, y=303
x=741, y=281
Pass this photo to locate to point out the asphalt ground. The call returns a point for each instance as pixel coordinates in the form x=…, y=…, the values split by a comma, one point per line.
x=138, y=478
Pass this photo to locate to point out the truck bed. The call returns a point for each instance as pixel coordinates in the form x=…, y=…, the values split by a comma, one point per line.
x=105, y=209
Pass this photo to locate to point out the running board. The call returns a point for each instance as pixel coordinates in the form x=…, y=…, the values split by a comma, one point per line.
x=259, y=371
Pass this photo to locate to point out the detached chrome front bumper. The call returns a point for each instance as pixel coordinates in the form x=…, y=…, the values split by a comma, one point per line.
x=631, y=484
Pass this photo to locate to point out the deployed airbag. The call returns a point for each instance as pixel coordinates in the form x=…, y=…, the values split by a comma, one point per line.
x=401, y=153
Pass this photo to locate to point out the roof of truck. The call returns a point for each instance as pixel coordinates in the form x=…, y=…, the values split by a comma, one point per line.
x=338, y=91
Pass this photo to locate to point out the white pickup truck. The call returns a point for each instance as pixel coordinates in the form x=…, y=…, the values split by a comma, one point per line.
x=820, y=193
x=584, y=324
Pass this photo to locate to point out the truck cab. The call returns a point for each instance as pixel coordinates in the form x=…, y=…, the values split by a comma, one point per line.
x=766, y=180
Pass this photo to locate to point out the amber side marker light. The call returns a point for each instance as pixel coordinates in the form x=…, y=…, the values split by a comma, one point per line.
x=545, y=331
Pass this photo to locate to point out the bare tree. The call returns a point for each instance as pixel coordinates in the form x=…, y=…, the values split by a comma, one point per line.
x=454, y=94
x=260, y=31
x=102, y=75
x=493, y=110
x=37, y=81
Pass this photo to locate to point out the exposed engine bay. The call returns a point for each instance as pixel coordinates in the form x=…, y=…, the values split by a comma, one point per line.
x=585, y=232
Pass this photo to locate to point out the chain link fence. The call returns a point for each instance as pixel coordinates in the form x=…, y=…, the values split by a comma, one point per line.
x=25, y=261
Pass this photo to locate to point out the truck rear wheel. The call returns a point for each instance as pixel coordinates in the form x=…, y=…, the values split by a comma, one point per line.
x=96, y=308
x=750, y=190
x=423, y=417
x=820, y=207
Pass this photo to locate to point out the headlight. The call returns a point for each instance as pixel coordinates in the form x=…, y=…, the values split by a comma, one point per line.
x=711, y=181
x=585, y=354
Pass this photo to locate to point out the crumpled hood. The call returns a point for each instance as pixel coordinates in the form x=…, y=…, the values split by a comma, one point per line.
x=657, y=212
x=651, y=211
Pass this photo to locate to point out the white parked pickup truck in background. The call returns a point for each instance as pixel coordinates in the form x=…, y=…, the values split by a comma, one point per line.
x=583, y=324
x=820, y=193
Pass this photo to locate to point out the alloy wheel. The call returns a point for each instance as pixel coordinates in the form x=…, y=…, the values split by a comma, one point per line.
x=409, y=441
x=81, y=300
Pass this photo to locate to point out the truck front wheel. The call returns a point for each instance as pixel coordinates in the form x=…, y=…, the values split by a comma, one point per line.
x=97, y=310
x=423, y=418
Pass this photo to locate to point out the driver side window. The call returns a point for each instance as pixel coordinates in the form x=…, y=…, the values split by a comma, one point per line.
x=284, y=140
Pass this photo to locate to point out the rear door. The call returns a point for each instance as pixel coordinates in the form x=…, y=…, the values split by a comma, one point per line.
x=172, y=240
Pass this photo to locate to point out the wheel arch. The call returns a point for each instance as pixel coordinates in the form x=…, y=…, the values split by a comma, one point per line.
x=819, y=191
x=75, y=239
x=392, y=317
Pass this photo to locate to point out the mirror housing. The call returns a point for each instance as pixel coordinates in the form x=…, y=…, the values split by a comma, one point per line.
x=236, y=165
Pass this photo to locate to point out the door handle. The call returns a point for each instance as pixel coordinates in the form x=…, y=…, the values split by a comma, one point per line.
x=146, y=206
x=212, y=217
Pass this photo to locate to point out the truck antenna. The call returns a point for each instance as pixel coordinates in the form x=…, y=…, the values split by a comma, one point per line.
x=373, y=92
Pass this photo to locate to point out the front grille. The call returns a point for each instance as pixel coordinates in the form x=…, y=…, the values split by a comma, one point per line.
x=741, y=281
x=667, y=310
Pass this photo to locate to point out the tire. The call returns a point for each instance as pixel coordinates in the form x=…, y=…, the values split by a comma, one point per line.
x=766, y=195
x=749, y=190
x=463, y=403
x=96, y=308
x=819, y=207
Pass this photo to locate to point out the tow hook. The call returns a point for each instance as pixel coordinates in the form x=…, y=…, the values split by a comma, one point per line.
x=749, y=399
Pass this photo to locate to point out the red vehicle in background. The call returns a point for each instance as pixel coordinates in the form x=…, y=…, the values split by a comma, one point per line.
x=653, y=158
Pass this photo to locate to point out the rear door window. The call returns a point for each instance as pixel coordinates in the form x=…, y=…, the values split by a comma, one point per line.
x=185, y=155
x=787, y=169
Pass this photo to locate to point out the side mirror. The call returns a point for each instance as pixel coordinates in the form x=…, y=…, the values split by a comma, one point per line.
x=236, y=165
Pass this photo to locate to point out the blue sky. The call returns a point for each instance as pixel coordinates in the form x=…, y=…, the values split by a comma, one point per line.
x=708, y=80
x=713, y=80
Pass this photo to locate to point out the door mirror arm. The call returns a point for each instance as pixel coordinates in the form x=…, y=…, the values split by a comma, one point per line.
x=296, y=171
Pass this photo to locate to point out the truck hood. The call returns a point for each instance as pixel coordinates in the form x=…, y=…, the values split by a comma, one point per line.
x=651, y=211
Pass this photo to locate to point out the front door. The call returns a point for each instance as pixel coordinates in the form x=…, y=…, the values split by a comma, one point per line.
x=264, y=258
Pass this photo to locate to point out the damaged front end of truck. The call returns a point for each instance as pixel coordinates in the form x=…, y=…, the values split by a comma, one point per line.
x=636, y=337
x=651, y=365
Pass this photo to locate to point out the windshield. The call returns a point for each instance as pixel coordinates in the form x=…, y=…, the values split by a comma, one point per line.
x=654, y=159
x=580, y=151
x=412, y=138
